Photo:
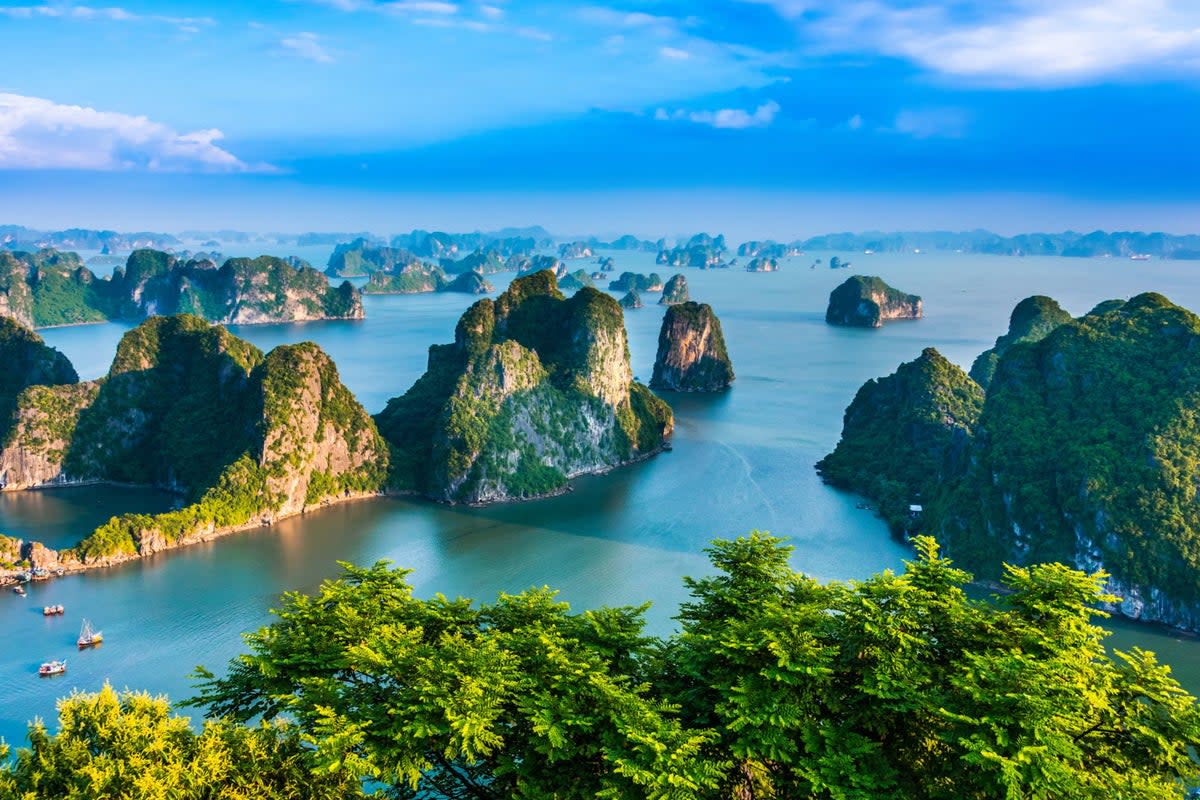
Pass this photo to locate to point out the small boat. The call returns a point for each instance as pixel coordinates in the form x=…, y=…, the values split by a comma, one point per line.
x=89, y=637
x=19, y=591
x=54, y=667
x=50, y=611
x=1140, y=257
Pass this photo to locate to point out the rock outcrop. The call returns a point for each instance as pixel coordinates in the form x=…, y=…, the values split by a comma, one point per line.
x=1032, y=320
x=636, y=282
x=578, y=279
x=631, y=300
x=691, y=351
x=905, y=435
x=763, y=264
x=867, y=302
x=676, y=291
x=535, y=389
x=468, y=283
x=360, y=257
x=1084, y=452
x=245, y=438
x=409, y=279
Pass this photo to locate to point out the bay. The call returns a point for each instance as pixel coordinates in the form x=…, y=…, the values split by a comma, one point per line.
x=742, y=460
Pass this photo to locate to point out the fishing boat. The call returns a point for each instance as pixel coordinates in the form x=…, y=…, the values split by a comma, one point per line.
x=50, y=611
x=89, y=637
x=54, y=667
x=19, y=591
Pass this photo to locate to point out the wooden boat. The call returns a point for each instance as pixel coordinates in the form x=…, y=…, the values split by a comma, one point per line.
x=54, y=667
x=89, y=637
x=50, y=611
x=19, y=591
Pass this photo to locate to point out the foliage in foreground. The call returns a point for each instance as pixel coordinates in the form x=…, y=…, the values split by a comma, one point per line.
x=776, y=686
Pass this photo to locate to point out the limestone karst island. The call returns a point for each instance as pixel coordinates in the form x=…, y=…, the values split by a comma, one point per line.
x=481, y=400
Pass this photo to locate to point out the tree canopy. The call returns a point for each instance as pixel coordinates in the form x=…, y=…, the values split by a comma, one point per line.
x=775, y=686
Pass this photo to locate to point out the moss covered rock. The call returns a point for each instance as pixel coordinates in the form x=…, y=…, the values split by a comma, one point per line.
x=905, y=435
x=691, y=351
x=636, y=282
x=1032, y=320
x=468, y=283
x=245, y=438
x=535, y=389
x=676, y=291
x=631, y=300
x=865, y=301
x=410, y=279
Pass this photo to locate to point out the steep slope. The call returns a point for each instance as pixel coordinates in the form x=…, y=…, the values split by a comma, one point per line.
x=245, y=438
x=676, y=291
x=1032, y=320
x=691, y=351
x=535, y=389
x=905, y=434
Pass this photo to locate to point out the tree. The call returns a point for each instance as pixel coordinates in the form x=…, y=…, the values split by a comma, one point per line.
x=438, y=698
x=129, y=745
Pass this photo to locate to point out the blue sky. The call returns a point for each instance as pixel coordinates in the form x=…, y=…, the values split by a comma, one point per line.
x=758, y=117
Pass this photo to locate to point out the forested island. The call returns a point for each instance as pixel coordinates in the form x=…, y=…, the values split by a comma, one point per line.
x=1080, y=447
x=50, y=288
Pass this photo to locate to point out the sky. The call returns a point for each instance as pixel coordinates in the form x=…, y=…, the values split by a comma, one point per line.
x=759, y=118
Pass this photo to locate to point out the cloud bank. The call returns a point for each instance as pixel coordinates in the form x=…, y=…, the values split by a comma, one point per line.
x=40, y=134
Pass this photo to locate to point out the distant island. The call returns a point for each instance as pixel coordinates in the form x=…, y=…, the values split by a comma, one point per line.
x=50, y=288
x=1082, y=449
x=865, y=301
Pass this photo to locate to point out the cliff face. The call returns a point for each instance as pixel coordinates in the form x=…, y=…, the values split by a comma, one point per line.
x=16, y=298
x=905, y=435
x=268, y=289
x=676, y=291
x=1087, y=453
x=867, y=302
x=691, y=351
x=1032, y=320
x=246, y=438
x=536, y=389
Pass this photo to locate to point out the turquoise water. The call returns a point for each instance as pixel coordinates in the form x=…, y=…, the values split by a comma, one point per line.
x=742, y=460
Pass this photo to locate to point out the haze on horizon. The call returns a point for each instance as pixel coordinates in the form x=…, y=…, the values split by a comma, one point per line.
x=757, y=118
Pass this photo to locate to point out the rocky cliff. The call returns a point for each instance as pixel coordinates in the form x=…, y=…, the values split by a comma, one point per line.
x=905, y=435
x=468, y=283
x=676, y=291
x=244, y=438
x=361, y=257
x=631, y=299
x=636, y=282
x=1088, y=452
x=867, y=302
x=691, y=351
x=1032, y=320
x=535, y=389
x=409, y=279
x=763, y=264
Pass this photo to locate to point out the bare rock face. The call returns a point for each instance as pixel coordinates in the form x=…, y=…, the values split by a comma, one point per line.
x=675, y=292
x=691, y=351
x=867, y=302
x=44, y=423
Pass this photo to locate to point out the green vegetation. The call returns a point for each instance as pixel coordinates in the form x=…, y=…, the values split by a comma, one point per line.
x=26, y=361
x=676, y=291
x=409, y=280
x=190, y=407
x=1032, y=320
x=866, y=301
x=775, y=686
x=129, y=745
x=905, y=435
x=636, y=282
x=576, y=280
x=358, y=258
x=535, y=388
x=1084, y=451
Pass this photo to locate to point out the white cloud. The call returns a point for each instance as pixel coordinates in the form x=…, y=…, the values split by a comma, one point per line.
x=1022, y=42
x=855, y=122
x=41, y=134
x=537, y=34
x=674, y=53
x=729, y=118
x=419, y=7
x=491, y=12
x=925, y=123
x=106, y=14
x=307, y=46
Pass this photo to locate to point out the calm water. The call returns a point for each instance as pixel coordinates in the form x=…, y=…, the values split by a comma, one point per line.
x=742, y=460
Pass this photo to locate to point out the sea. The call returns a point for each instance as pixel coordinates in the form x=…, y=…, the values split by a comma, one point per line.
x=742, y=461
